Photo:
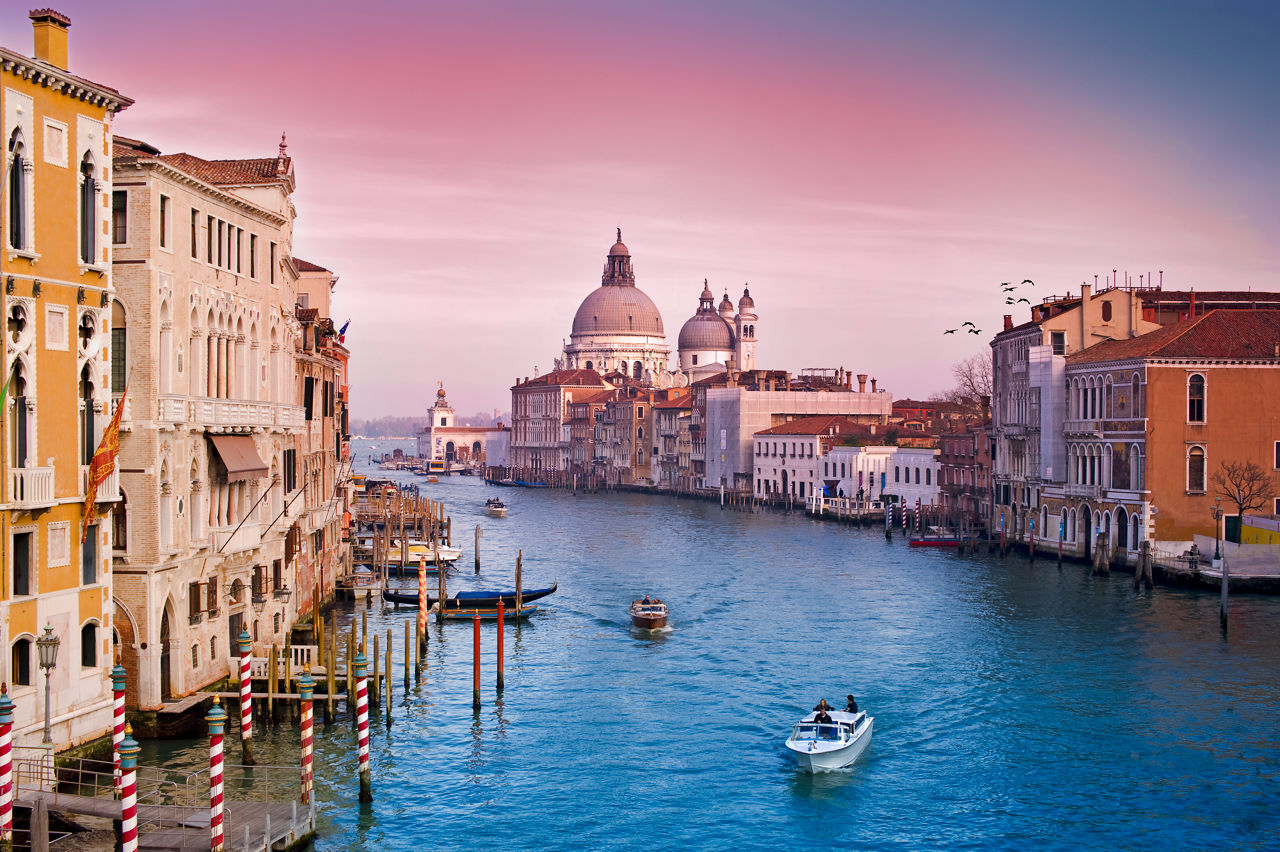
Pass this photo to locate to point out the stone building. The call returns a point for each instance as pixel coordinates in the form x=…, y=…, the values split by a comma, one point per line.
x=215, y=433
x=58, y=397
x=540, y=417
x=715, y=339
x=443, y=439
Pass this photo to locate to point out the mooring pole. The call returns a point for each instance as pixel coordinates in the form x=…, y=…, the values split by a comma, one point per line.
x=129, y=792
x=118, y=676
x=306, y=691
x=475, y=662
x=501, y=630
x=6, y=766
x=217, y=719
x=246, y=700
x=362, y=725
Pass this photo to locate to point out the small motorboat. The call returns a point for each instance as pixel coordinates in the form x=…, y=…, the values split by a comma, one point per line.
x=495, y=508
x=424, y=550
x=451, y=612
x=822, y=747
x=474, y=599
x=649, y=614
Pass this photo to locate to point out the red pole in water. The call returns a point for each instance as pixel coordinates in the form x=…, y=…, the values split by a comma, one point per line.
x=501, y=630
x=475, y=662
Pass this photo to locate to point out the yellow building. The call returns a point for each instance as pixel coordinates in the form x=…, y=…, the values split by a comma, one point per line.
x=56, y=266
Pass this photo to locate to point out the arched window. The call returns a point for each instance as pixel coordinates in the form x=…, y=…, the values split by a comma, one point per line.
x=639, y=433
x=195, y=655
x=590, y=366
x=20, y=671
x=1195, y=470
x=1106, y=311
x=120, y=524
x=89, y=646
x=18, y=226
x=88, y=209
x=87, y=437
x=19, y=439
x=1137, y=396
x=636, y=370
x=1195, y=399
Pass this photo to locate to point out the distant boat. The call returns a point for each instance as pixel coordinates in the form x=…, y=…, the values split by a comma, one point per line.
x=476, y=598
x=495, y=507
x=935, y=538
x=823, y=746
x=649, y=615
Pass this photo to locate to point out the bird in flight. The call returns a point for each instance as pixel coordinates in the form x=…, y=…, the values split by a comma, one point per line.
x=1028, y=301
x=1028, y=281
x=1008, y=300
x=1007, y=286
x=966, y=322
x=975, y=331
x=951, y=331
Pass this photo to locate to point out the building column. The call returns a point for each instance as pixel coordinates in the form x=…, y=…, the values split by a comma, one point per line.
x=211, y=364
x=222, y=366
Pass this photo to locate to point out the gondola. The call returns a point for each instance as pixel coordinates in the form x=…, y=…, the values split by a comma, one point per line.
x=482, y=613
x=475, y=599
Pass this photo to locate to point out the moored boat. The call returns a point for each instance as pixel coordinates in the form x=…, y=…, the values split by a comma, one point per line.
x=466, y=613
x=824, y=746
x=475, y=599
x=495, y=507
x=649, y=614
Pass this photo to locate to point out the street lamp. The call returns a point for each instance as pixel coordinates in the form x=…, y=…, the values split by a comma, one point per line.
x=1217, y=526
x=47, y=647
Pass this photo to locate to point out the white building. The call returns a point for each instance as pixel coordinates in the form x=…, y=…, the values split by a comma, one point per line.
x=713, y=340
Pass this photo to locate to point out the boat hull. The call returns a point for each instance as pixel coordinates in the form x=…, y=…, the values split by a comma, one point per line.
x=483, y=614
x=821, y=755
x=496, y=512
x=649, y=622
x=482, y=599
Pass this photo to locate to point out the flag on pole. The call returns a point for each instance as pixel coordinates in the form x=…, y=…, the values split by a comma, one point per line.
x=342, y=332
x=102, y=464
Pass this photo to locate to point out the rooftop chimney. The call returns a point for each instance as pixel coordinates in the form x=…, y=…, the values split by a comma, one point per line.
x=1084, y=292
x=1008, y=321
x=862, y=383
x=51, y=36
x=873, y=385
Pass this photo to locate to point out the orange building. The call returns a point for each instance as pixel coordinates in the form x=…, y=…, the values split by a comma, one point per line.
x=1152, y=418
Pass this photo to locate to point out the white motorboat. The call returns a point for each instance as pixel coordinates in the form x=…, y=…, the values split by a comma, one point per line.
x=822, y=747
x=495, y=507
x=424, y=550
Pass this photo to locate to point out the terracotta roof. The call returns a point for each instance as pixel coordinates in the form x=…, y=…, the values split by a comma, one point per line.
x=717, y=380
x=1218, y=334
x=819, y=425
x=307, y=266
x=596, y=397
x=679, y=402
x=264, y=170
x=578, y=378
x=307, y=314
x=123, y=146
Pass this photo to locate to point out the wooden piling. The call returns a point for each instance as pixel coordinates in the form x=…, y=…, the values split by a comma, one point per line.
x=377, y=658
x=1222, y=614
x=475, y=662
x=318, y=630
x=272, y=685
x=364, y=629
x=330, y=673
x=390, y=689
x=501, y=630
x=407, y=654
x=477, y=548
x=351, y=673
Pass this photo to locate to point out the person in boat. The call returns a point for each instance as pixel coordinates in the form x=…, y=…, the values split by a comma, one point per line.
x=851, y=705
x=822, y=706
x=646, y=600
x=822, y=718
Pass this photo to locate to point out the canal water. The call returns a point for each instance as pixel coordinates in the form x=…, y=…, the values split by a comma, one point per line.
x=1015, y=706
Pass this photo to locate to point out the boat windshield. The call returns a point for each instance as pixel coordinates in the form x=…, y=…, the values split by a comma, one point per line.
x=812, y=731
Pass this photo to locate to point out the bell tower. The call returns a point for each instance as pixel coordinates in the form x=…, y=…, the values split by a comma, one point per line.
x=745, y=324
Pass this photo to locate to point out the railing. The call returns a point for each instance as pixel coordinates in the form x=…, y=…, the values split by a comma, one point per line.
x=31, y=486
x=1076, y=489
x=1078, y=427
x=231, y=540
x=299, y=657
x=227, y=412
x=108, y=489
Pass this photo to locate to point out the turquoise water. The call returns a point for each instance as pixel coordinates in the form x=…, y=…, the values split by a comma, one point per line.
x=1015, y=706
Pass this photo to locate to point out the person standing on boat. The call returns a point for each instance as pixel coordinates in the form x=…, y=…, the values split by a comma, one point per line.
x=822, y=706
x=851, y=706
x=646, y=600
x=822, y=717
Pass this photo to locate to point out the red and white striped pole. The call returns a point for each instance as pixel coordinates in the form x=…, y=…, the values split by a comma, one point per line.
x=306, y=689
x=217, y=720
x=129, y=792
x=362, y=724
x=118, y=676
x=6, y=766
x=246, y=699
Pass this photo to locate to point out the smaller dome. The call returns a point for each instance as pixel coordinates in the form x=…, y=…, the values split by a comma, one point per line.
x=726, y=307
x=705, y=331
x=707, y=295
x=619, y=249
x=746, y=301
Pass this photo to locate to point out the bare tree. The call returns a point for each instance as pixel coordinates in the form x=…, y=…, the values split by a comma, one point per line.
x=1246, y=484
x=973, y=382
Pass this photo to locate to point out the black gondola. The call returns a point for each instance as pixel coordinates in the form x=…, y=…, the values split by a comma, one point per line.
x=475, y=599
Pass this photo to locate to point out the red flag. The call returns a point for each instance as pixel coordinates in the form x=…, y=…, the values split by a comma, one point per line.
x=103, y=462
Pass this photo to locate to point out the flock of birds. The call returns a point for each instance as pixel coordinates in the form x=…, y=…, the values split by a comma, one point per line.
x=1006, y=288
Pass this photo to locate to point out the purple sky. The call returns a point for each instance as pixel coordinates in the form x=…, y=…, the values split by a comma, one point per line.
x=873, y=170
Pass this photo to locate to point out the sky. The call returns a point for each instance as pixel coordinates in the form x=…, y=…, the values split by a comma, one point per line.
x=872, y=170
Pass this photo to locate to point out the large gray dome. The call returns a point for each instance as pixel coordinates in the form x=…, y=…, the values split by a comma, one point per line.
x=611, y=309
x=704, y=331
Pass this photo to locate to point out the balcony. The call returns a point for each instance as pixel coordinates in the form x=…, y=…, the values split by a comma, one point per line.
x=230, y=540
x=108, y=489
x=233, y=413
x=1076, y=489
x=31, y=487
x=1082, y=427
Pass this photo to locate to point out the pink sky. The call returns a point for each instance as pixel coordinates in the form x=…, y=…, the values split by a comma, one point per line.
x=874, y=171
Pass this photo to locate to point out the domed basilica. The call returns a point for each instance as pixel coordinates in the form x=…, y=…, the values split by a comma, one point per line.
x=617, y=327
